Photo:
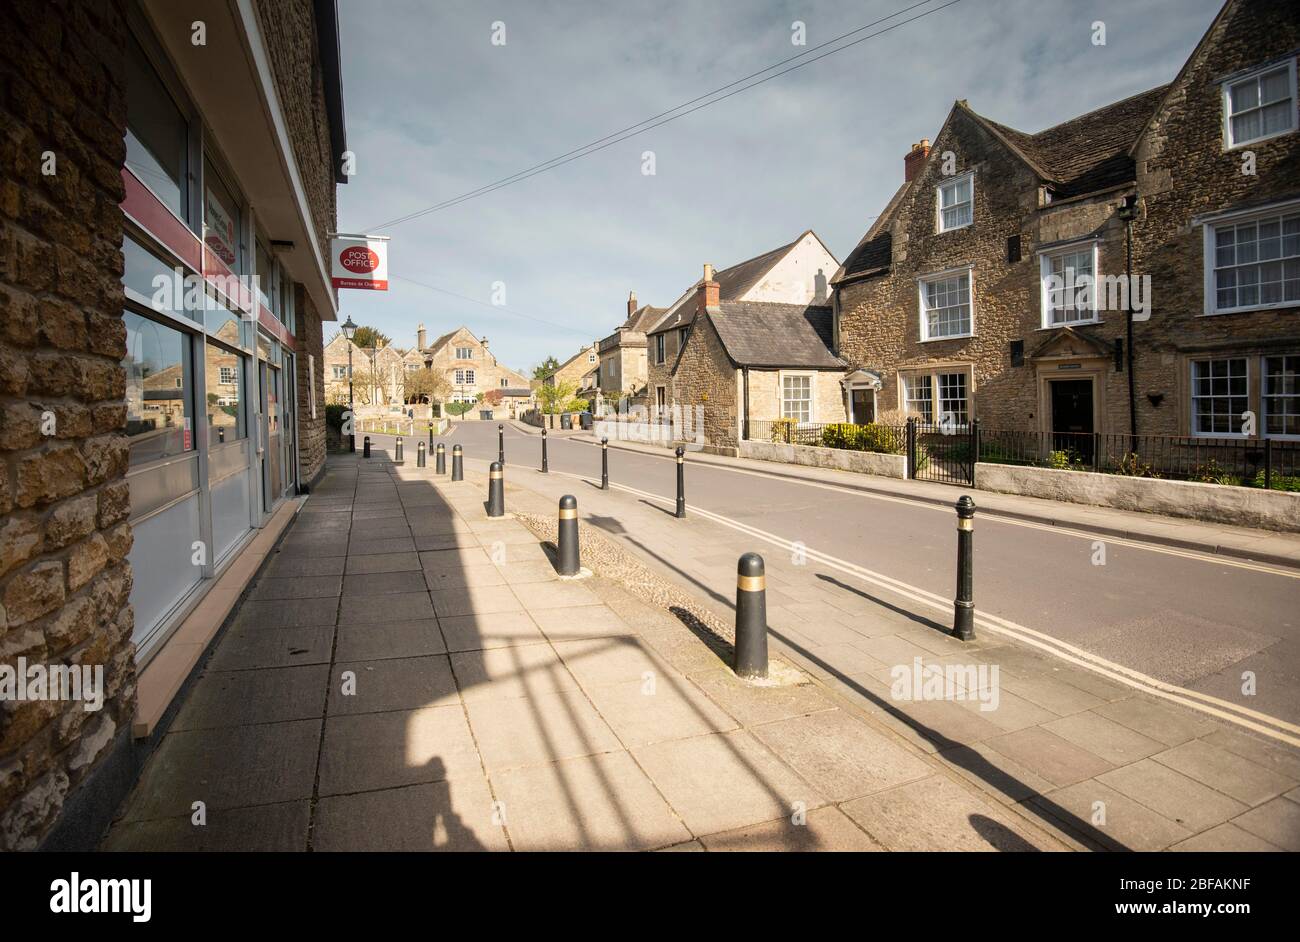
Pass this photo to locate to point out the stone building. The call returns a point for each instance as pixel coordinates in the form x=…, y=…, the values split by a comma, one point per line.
x=623, y=353
x=746, y=364
x=994, y=283
x=796, y=273
x=163, y=279
x=581, y=370
x=470, y=367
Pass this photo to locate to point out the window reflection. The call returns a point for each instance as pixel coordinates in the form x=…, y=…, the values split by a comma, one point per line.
x=157, y=135
x=158, y=384
x=225, y=396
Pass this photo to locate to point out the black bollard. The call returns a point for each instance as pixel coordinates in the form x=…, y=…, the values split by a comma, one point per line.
x=457, y=472
x=397, y=458
x=420, y=461
x=440, y=459
x=963, y=622
x=430, y=434
x=604, y=464
x=496, y=491
x=751, y=618
x=545, y=468
x=681, y=481
x=567, y=544
x=365, y=450
x=501, y=445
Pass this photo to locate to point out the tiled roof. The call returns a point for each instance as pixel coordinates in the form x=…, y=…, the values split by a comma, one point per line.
x=732, y=283
x=760, y=333
x=1087, y=153
x=643, y=318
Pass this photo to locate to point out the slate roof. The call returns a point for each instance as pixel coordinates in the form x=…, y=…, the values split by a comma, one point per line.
x=761, y=333
x=1087, y=153
x=875, y=251
x=732, y=283
x=643, y=318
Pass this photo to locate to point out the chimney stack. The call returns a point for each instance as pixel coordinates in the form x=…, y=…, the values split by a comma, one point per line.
x=420, y=337
x=912, y=161
x=631, y=303
x=707, y=293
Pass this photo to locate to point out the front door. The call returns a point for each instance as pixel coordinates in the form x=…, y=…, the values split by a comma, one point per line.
x=1072, y=426
x=864, y=406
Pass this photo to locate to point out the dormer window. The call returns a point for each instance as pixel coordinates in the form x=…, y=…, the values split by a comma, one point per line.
x=955, y=202
x=1260, y=105
x=464, y=353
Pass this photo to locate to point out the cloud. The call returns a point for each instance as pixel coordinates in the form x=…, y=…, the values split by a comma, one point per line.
x=435, y=110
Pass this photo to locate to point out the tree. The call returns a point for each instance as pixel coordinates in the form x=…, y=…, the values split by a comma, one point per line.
x=555, y=398
x=546, y=368
x=367, y=337
x=493, y=397
x=363, y=385
x=425, y=385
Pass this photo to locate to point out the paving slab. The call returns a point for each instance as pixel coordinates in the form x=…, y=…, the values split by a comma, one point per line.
x=1045, y=754
x=398, y=639
x=1110, y=818
x=541, y=728
x=372, y=751
x=1225, y=771
x=823, y=829
x=1172, y=794
x=262, y=829
x=392, y=684
x=448, y=816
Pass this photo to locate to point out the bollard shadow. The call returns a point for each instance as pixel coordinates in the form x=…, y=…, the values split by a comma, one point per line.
x=956, y=753
x=662, y=510
x=889, y=606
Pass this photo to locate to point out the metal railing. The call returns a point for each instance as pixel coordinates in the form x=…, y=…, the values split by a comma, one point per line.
x=1249, y=462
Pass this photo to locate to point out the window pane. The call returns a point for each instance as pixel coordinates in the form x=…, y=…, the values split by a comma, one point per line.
x=1244, y=95
x=1282, y=395
x=158, y=390
x=265, y=267
x=157, y=134
x=225, y=395
x=1274, y=86
x=1219, y=396
x=221, y=220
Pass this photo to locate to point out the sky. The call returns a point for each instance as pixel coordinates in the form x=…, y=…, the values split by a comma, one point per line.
x=435, y=109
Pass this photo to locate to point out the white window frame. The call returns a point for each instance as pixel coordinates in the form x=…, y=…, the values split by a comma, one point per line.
x=468, y=353
x=938, y=201
x=1192, y=396
x=1209, y=259
x=460, y=378
x=469, y=377
x=924, y=280
x=811, y=376
x=1045, y=259
x=931, y=375
x=1263, y=397
x=1226, y=96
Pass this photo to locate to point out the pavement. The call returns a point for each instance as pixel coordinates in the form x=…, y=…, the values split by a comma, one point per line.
x=410, y=674
x=496, y=706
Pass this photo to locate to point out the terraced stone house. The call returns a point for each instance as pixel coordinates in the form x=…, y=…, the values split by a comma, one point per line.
x=965, y=298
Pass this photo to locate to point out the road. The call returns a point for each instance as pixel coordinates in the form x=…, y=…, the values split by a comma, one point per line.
x=1193, y=620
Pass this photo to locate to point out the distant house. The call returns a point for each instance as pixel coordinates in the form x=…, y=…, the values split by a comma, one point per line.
x=623, y=353
x=746, y=364
x=793, y=274
x=580, y=370
x=469, y=365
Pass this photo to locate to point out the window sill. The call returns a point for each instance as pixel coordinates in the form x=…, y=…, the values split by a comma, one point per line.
x=949, y=337
x=954, y=229
x=1238, y=145
x=1280, y=306
x=1091, y=323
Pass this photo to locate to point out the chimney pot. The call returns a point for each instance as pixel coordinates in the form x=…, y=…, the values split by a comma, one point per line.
x=631, y=303
x=708, y=293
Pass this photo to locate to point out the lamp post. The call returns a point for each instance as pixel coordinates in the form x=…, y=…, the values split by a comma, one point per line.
x=349, y=331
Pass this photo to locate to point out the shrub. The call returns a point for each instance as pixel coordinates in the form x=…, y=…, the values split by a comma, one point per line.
x=783, y=430
x=1279, y=482
x=1211, y=473
x=334, y=417
x=459, y=408
x=880, y=439
x=1131, y=465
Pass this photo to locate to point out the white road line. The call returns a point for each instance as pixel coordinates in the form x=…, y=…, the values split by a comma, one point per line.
x=1271, y=726
x=1211, y=558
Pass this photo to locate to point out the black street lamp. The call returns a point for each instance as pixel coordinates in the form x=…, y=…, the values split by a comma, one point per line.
x=349, y=331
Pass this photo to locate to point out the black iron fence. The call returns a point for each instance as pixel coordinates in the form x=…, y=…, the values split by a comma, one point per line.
x=947, y=452
x=1248, y=462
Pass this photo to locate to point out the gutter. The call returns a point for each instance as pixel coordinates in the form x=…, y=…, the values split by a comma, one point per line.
x=327, y=40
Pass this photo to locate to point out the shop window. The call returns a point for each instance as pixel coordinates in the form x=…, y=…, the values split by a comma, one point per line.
x=157, y=134
x=159, y=412
x=224, y=399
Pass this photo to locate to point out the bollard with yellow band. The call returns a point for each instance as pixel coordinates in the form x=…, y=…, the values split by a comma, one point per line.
x=963, y=622
x=365, y=450
x=545, y=467
x=681, y=481
x=568, y=562
x=751, y=618
x=440, y=459
x=397, y=458
x=420, y=457
x=604, y=464
x=457, y=465
x=496, y=491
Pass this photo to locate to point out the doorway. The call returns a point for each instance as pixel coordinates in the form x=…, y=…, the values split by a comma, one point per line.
x=864, y=406
x=1072, y=419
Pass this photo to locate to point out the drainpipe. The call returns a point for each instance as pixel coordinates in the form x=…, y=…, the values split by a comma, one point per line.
x=1127, y=212
x=745, y=372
